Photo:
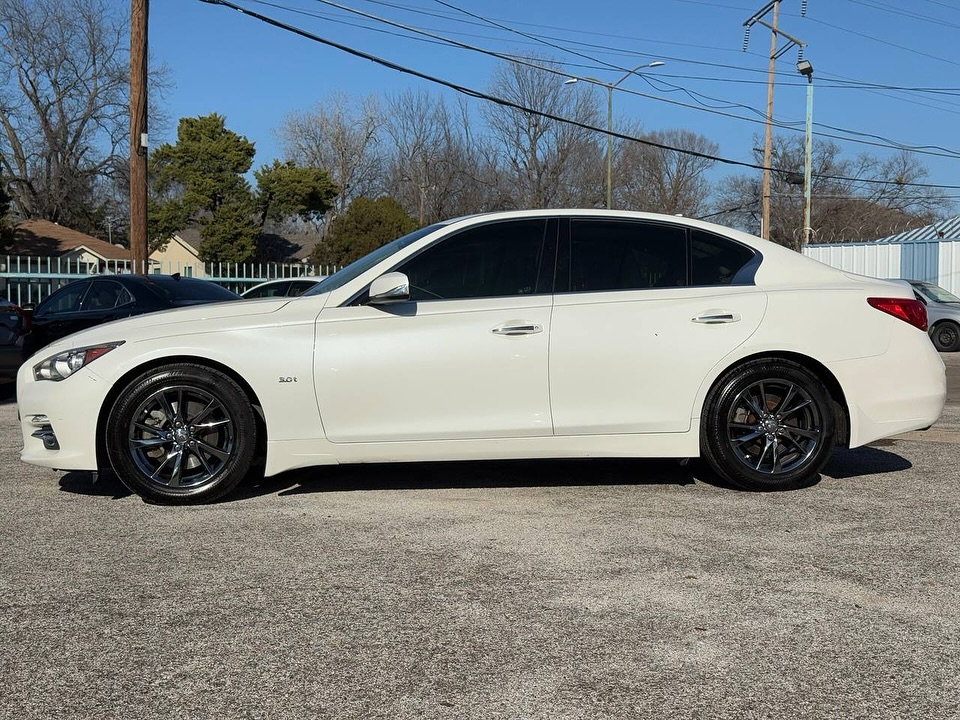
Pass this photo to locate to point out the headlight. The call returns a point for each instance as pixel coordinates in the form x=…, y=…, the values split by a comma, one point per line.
x=63, y=365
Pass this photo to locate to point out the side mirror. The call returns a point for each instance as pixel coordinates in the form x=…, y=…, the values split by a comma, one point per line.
x=393, y=287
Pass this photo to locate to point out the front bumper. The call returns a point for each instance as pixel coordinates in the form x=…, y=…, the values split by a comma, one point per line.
x=58, y=420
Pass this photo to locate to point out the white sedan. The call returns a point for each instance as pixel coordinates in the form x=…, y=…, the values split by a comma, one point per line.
x=534, y=334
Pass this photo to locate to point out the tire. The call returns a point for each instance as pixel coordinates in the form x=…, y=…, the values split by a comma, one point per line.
x=946, y=336
x=779, y=443
x=181, y=435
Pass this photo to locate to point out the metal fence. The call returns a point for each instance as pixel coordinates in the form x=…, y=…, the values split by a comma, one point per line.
x=936, y=261
x=26, y=280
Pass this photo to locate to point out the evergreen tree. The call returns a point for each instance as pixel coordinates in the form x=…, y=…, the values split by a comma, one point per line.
x=366, y=225
x=200, y=181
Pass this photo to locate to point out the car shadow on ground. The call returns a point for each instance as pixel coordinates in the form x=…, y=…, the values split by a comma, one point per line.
x=103, y=484
x=491, y=474
x=469, y=474
x=431, y=475
x=867, y=460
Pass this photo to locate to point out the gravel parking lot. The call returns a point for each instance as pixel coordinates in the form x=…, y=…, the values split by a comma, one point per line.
x=597, y=589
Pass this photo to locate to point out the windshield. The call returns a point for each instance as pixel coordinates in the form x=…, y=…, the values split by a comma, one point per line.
x=937, y=293
x=357, y=268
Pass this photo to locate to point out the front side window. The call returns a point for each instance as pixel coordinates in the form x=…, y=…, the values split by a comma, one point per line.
x=494, y=260
x=65, y=300
x=607, y=255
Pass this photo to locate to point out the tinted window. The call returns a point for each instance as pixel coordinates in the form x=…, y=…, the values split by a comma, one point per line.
x=104, y=295
x=715, y=260
x=271, y=290
x=623, y=255
x=358, y=267
x=495, y=260
x=299, y=287
x=65, y=300
x=188, y=292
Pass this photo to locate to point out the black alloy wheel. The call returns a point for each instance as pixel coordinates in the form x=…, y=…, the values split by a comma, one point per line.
x=182, y=434
x=768, y=425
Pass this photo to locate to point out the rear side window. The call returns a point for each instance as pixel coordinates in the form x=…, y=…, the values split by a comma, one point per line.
x=189, y=292
x=608, y=255
x=272, y=290
x=105, y=295
x=623, y=255
x=716, y=260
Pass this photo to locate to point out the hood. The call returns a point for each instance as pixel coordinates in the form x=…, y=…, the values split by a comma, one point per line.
x=203, y=319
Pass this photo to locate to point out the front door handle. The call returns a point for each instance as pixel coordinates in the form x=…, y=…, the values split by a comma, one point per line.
x=516, y=327
x=717, y=317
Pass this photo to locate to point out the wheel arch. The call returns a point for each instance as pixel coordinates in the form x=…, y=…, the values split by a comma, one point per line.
x=822, y=372
x=124, y=380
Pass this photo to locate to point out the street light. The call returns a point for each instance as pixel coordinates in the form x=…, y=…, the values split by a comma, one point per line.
x=610, y=87
x=806, y=69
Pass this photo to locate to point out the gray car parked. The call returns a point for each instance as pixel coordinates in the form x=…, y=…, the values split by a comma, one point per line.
x=943, y=314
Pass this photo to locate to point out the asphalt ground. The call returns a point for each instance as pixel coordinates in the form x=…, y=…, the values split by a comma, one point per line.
x=587, y=589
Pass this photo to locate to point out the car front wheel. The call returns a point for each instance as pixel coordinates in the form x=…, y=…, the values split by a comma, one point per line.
x=769, y=425
x=181, y=434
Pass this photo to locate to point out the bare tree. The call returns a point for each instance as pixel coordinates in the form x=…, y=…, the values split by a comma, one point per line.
x=342, y=137
x=851, y=200
x=438, y=167
x=63, y=104
x=660, y=180
x=547, y=162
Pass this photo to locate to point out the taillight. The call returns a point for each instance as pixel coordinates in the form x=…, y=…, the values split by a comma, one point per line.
x=25, y=318
x=907, y=309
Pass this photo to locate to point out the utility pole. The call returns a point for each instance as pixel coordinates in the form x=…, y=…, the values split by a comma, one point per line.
x=805, y=68
x=139, y=12
x=775, y=33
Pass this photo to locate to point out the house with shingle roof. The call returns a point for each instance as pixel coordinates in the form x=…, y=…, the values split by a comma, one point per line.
x=182, y=252
x=180, y=255
x=42, y=238
x=45, y=239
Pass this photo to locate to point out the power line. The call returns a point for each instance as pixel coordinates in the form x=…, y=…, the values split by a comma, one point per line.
x=470, y=92
x=699, y=106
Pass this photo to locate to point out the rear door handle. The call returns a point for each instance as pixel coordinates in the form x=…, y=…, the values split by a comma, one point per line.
x=517, y=328
x=717, y=317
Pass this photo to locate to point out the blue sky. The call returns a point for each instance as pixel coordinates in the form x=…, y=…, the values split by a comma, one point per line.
x=905, y=53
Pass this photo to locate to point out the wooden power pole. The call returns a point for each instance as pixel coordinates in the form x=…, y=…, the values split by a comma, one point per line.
x=775, y=34
x=139, y=12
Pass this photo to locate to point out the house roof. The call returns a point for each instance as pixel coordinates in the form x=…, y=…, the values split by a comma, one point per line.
x=190, y=236
x=42, y=238
x=948, y=229
x=273, y=245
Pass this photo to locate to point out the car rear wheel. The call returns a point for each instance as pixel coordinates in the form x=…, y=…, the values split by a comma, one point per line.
x=946, y=336
x=768, y=425
x=181, y=434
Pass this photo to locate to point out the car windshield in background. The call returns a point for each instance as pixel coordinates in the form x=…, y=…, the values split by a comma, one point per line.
x=360, y=266
x=190, y=291
x=937, y=293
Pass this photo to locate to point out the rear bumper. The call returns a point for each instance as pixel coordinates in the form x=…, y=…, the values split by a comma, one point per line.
x=901, y=390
